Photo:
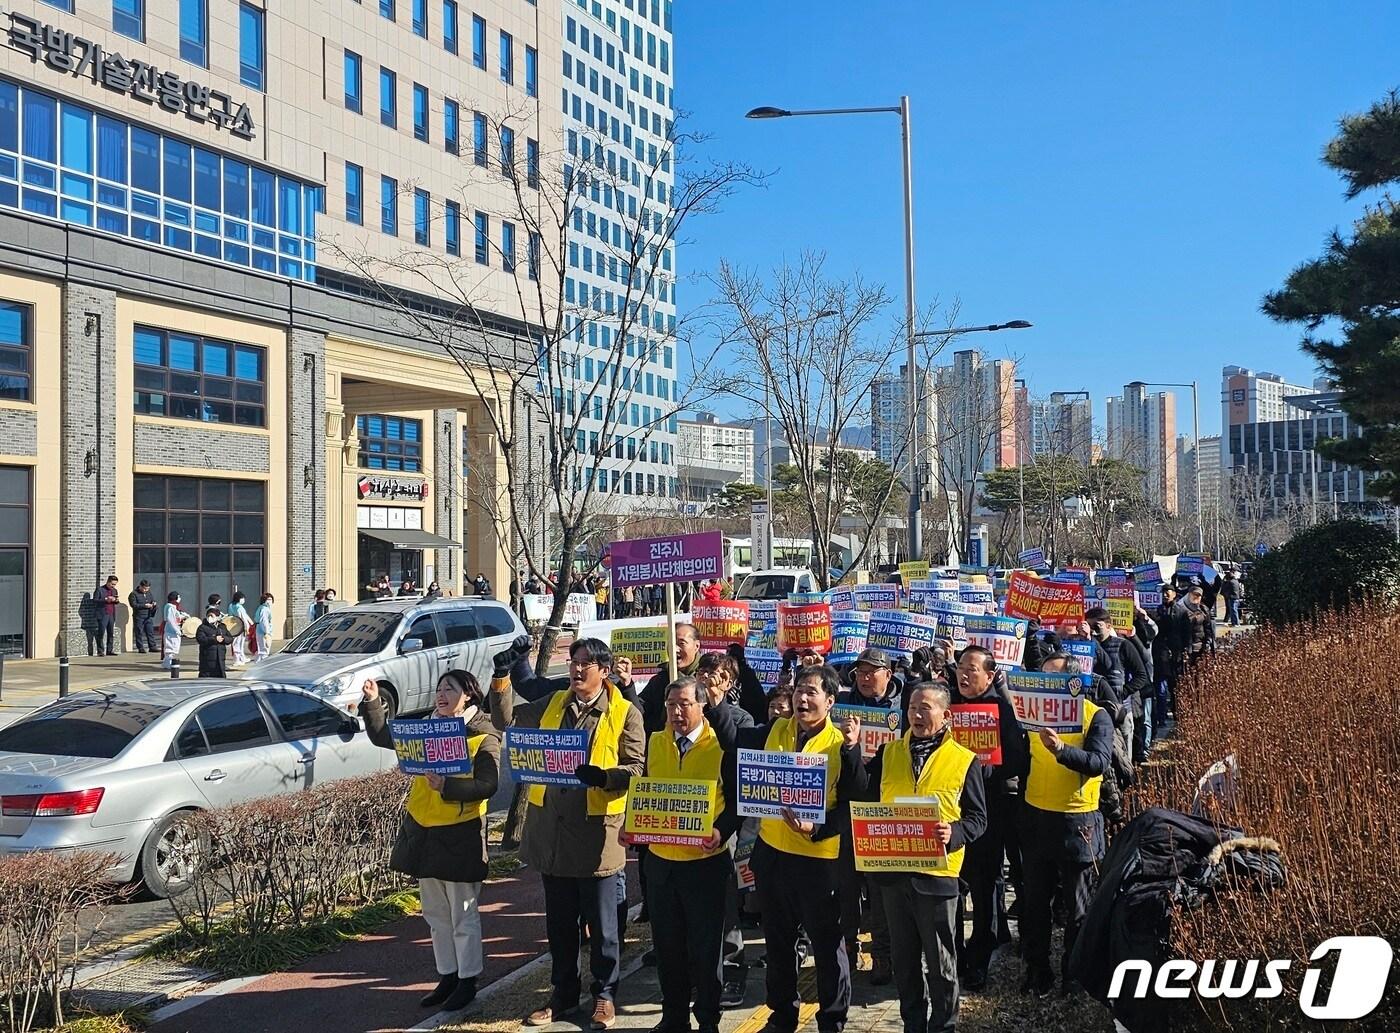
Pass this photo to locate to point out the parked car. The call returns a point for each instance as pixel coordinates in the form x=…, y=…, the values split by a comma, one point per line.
x=403, y=644
x=776, y=583
x=113, y=770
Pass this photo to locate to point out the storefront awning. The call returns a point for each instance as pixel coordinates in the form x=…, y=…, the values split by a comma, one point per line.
x=405, y=538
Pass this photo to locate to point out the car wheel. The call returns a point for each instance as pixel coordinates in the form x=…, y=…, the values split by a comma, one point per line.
x=171, y=856
x=390, y=701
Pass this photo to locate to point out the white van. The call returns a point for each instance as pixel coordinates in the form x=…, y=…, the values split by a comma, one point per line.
x=776, y=583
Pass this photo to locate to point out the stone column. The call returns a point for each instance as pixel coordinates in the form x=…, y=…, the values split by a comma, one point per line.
x=447, y=501
x=306, y=474
x=89, y=479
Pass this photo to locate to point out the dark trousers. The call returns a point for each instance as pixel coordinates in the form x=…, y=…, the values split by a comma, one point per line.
x=921, y=934
x=1050, y=865
x=144, y=634
x=802, y=892
x=686, y=902
x=106, y=625
x=860, y=907
x=981, y=870
x=594, y=901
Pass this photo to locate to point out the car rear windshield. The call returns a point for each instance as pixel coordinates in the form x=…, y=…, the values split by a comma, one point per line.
x=766, y=586
x=347, y=631
x=80, y=728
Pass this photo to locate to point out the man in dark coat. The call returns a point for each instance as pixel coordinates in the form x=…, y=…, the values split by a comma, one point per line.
x=213, y=642
x=143, y=618
x=654, y=695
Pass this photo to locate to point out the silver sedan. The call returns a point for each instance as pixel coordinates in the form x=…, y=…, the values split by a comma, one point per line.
x=113, y=769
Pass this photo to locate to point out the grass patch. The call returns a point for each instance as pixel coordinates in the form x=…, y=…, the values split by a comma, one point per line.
x=132, y=1020
x=231, y=954
x=504, y=864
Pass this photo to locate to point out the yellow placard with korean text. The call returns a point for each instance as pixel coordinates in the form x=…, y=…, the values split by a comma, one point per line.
x=671, y=811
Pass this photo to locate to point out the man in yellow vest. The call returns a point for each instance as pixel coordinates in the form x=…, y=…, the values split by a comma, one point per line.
x=795, y=862
x=686, y=885
x=1062, y=834
x=921, y=906
x=571, y=834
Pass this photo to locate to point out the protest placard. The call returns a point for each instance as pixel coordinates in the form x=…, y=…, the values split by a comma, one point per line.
x=770, y=781
x=1043, y=699
x=841, y=598
x=743, y=853
x=1149, y=598
x=1053, y=603
x=897, y=837
x=1031, y=558
x=431, y=746
x=1147, y=574
x=1003, y=637
x=671, y=811
x=876, y=597
x=1117, y=598
x=1082, y=651
x=671, y=558
x=719, y=624
x=899, y=633
x=546, y=756
x=913, y=570
x=767, y=664
x=878, y=725
x=978, y=727
x=647, y=648
x=805, y=627
x=1188, y=566
x=952, y=618
x=1111, y=575
x=978, y=595
x=922, y=594
x=848, y=634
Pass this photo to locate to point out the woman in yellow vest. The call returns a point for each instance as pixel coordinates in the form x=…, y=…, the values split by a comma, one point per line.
x=921, y=905
x=442, y=838
x=795, y=861
x=1062, y=834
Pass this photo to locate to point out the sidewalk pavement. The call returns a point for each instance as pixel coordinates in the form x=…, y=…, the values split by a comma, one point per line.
x=373, y=985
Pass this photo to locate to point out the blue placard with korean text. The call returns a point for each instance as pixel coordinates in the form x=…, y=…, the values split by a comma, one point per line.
x=770, y=781
x=432, y=746
x=546, y=756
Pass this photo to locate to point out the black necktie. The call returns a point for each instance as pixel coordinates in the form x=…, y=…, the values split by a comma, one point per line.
x=682, y=744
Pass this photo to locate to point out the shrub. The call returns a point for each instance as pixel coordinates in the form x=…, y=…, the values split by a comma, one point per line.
x=40, y=897
x=288, y=861
x=1309, y=712
x=1325, y=568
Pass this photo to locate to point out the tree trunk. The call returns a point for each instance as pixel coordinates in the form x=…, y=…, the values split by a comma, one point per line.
x=555, y=625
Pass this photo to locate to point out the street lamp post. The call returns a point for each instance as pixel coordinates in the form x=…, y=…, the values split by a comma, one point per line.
x=1196, y=464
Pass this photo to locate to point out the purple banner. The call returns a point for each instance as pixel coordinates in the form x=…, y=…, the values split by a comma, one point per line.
x=677, y=557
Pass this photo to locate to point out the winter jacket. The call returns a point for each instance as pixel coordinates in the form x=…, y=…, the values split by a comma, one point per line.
x=1005, y=779
x=1200, y=629
x=561, y=838
x=213, y=646
x=1132, y=679
x=1038, y=648
x=452, y=853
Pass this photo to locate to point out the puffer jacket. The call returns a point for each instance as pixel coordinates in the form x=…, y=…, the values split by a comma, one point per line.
x=452, y=853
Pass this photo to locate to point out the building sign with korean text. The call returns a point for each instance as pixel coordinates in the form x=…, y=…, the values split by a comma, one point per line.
x=374, y=486
x=82, y=58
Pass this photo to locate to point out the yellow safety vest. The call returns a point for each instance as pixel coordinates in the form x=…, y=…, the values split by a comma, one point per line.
x=607, y=741
x=942, y=778
x=1053, y=787
x=702, y=761
x=782, y=738
x=427, y=807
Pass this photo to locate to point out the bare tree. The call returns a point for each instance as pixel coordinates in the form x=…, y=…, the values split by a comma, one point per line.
x=522, y=353
x=803, y=351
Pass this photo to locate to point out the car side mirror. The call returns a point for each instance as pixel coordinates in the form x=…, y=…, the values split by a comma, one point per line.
x=411, y=645
x=350, y=726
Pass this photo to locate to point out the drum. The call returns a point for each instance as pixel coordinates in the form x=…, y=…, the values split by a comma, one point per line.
x=234, y=625
x=189, y=626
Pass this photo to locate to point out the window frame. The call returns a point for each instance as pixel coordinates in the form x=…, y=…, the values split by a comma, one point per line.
x=422, y=217
x=420, y=25
x=389, y=205
x=451, y=126
x=452, y=228
x=354, y=101
x=355, y=214
x=171, y=376
x=507, y=57
x=195, y=51
x=422, y=112
x=327, y=714
x=481, y=225
x=478, y=42
x=257, y=78
x=23, y=348
x=451, y=43
x=388, y=116
x=364, y=440
x=210, y=749
x=136, y=16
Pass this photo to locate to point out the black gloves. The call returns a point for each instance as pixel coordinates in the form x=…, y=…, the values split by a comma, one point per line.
x=591, y=775
x=790, y=660
x=503, y=661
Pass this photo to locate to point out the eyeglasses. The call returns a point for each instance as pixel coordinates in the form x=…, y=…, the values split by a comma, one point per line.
x=583, y=664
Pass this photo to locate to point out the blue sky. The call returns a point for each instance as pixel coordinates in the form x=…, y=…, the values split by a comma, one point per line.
x=1129, y=177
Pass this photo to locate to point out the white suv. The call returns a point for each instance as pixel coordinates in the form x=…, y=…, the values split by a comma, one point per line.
x=403, y=644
